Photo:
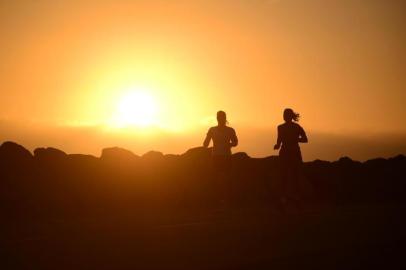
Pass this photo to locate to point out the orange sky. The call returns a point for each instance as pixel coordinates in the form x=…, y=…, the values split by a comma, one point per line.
x=66, y=65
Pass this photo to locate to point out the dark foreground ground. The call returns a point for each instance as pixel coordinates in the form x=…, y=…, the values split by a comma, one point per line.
x=346, y=237
x=156, y=211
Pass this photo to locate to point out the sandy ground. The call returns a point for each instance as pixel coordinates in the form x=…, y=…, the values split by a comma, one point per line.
x=348, y=237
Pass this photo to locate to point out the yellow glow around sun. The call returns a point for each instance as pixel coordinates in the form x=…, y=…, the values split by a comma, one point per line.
x=136, y=108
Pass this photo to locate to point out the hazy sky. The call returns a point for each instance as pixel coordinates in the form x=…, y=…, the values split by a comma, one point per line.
x=66, y=67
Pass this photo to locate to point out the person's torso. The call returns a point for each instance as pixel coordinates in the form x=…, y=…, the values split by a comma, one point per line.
x=289, y=133
x=222, y=137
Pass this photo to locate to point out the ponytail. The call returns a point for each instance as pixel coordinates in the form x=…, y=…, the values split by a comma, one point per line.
x=289, y=114
x=295, y=116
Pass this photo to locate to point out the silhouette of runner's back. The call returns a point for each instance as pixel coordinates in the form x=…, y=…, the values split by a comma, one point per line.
x=290, y=134
x=223, y=139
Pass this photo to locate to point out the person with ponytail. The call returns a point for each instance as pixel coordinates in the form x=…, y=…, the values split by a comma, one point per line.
x=290, y=134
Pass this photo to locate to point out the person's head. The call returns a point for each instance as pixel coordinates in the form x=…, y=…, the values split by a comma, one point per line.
x=221, y=118
x=289, y=115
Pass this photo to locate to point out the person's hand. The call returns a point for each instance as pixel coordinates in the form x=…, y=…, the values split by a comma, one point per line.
x=276, y=146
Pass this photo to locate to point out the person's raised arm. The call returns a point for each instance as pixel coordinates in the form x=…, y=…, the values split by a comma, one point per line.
x=208, y=139
x=234, y=139
x=302, y=136
x=278, y=141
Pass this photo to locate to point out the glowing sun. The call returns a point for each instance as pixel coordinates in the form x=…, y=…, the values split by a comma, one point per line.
x=136, y=108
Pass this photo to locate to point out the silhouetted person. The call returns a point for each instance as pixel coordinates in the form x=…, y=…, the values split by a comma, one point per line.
x=290, y=134
x=224, y=138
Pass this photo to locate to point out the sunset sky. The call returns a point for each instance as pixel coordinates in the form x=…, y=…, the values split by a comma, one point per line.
x=150, y=75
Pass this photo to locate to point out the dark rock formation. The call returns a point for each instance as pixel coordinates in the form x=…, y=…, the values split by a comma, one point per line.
x=14, y=154
x=117, y=154
x=49, y=154
x=59, y=183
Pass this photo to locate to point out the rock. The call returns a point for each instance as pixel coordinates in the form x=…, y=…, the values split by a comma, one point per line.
x=241, y=156
x=197, y=152
x=117, y=154
x=13, y=153
x=49, y=154
x=153, y=155
x=345, y=160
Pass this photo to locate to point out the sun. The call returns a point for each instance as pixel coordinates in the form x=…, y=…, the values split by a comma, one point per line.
x=136, y=108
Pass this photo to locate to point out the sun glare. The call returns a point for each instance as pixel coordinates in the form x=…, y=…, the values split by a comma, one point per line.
x=137, y=108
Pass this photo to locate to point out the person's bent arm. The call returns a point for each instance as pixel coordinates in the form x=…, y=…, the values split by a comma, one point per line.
x=234, y=140
x=207, y=140
x=278, y=141
x=303, y=136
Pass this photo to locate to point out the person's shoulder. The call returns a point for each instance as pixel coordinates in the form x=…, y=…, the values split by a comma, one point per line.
x=298, y=127
x=281, y=125
x=230, y=129
x=211, y=129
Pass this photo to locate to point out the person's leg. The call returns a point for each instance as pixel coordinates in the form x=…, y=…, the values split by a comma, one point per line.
x=225, y=180
x=296, y=186
x=219, y=176
x=283, y=185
